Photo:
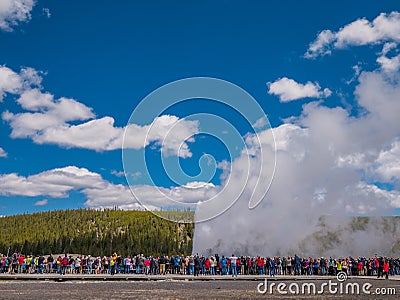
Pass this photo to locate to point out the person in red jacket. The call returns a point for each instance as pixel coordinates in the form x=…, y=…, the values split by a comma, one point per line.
x=386, y=268
x=249, y=265
x=376, y=264
x=207, y=265
x=239, y=266
x=359, y=267
x=260, y=265
x=64, y=264
x=21, y=261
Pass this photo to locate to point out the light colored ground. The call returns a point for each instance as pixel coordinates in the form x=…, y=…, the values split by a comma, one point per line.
x=178, y=289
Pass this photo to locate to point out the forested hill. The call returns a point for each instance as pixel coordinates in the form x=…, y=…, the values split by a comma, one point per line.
x=94, y=232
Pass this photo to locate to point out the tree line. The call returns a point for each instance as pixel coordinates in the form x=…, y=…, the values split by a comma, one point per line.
x=96, y=232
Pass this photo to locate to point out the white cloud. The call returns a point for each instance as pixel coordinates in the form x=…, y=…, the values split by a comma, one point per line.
x=388, y=163
x=389, y=65
x=14, y=83
x=98, y=134
x=260, y=123
x=54, y=183
x=47, y=120
x=387, y=47
x=357, y=71
x=46, y=12
x=100, y=193
x=169, y=132
x=199, y=184
x=13, y=12
x=385, y=27
x=364, y=190
x=355, y=160
x=41, y=202
x=151, y=196
x=118, y=173
x=132, y=176
x=10, y=82
x=111, y=195
x=35, y=100
x=3, y=153
x=30, y=77
x=48, y=114
x=321, y=45
x=288, y=90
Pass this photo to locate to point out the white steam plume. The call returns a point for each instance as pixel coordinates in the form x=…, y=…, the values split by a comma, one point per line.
x=328, y=164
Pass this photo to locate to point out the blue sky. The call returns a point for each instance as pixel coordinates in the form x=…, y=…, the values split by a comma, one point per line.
x=109, y=55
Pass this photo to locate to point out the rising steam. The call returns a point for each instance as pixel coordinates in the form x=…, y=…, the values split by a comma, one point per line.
x=332, y=165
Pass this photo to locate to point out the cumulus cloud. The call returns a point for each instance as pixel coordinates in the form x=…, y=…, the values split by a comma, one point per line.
x=47, y=114
x=321, y=45
x=288, y=90
x=15, y=83
x=111, y=195
x=101, y=134
x=54, y=183
x=100, y=193
x=168, y=132
x=13, y=12
x=3, y=153
x=384, y=28
x=389, y=65
x=150, y=197
x=97, y=134
x=41, y=202
x=12, y=82
x=47, y=120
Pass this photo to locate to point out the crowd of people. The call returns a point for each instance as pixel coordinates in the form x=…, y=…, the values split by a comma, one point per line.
x=199, y=265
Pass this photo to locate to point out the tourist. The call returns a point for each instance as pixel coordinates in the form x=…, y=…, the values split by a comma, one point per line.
x=380, y=267
x=296, y=265
x=50, y=260
x=386, y=268
x=272, y=268
x=64, y=264
x=41, y=260
x=233, y=260
x=161, y=262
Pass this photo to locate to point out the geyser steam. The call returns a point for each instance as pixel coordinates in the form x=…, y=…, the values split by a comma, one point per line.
x=330, y=166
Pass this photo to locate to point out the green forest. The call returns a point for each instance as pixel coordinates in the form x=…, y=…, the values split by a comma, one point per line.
x=96, y=232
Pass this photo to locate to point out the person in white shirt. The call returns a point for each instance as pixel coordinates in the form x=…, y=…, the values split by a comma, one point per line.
x=233, y=260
